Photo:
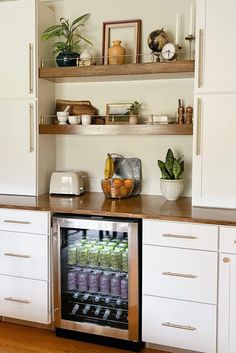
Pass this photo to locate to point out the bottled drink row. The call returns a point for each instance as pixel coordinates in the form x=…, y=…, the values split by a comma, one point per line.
x=98, y=281
x=105, y=253
x=99, y=313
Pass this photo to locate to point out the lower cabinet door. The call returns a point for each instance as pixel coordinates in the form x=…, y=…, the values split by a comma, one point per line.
x=227, y=304
x=179, y=324
x=24, y=299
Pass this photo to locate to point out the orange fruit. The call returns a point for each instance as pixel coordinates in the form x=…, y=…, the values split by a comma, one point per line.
x=123, y=191
x=118, y=182
x=128, y=183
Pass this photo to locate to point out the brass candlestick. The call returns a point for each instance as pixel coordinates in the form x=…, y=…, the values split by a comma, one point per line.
x=190, y=38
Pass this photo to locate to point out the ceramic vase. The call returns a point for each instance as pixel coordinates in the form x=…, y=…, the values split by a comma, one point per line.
x=172, y=189
x=116, y=53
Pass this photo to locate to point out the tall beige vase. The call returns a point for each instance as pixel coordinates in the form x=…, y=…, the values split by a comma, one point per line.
x=116, y=53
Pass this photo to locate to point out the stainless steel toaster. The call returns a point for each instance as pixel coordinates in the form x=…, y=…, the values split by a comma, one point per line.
x=66, y=183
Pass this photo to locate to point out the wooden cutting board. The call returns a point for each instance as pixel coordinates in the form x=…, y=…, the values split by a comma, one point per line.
x=76, y=107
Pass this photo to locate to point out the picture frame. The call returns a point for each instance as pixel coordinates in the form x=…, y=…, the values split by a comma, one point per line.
x=117, y=113
x=106, y=43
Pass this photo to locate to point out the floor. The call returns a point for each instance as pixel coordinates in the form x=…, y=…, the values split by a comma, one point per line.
x=23, y=339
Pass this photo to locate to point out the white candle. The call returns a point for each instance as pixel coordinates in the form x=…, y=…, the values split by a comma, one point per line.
x=192, y=20
x=177, y=28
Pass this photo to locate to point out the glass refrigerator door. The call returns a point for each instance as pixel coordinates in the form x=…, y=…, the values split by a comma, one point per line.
x=94, y=276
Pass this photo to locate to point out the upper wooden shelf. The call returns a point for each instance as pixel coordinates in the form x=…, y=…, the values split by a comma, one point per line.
x=176, y=69
x=139, y=129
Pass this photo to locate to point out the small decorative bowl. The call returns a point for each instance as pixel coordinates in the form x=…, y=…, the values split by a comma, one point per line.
x=117, y=188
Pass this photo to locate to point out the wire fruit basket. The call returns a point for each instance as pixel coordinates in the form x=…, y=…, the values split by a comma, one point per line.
x=117, y=188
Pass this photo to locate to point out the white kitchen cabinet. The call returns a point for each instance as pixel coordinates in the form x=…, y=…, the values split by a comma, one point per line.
x=26, y=161
x=227, y=291
x=214, y=151
x=17, y=37
x=181, y=324
x=25, y=287
x=18, y=147
x=179, y=289
x=215, y=50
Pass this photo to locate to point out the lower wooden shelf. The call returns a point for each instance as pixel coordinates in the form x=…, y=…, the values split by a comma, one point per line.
x=140, y=129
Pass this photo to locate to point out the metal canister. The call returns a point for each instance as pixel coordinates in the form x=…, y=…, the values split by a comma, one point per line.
x=82, y=281
x=72, y=255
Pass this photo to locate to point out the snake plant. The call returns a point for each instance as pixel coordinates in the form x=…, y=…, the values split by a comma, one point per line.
x=172, y=168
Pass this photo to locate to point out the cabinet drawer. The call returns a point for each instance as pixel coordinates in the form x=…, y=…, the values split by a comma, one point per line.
x=24, y=221
x=179, y=273
x=24, y=255
x=24, y=299
x=228, y=239
x=179, y=324
x=177, y=234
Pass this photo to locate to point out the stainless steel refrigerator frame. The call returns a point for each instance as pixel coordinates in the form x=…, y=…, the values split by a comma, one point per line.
x=132, y=334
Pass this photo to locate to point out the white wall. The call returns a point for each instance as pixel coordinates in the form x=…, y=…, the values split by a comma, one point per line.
x=88, y=153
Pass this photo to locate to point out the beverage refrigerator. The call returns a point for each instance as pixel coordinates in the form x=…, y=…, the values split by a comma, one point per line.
x=96, y=276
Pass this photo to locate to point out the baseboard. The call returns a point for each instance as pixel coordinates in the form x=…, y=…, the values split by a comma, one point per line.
x=167, y=349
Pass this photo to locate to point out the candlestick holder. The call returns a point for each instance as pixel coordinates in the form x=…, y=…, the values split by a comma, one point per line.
x=190, y=38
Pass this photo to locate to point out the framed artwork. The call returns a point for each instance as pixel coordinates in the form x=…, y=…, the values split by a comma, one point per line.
x=129, y=32
x=117, y=113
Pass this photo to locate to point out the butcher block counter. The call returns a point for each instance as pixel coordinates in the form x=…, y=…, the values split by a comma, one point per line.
x=142, y=206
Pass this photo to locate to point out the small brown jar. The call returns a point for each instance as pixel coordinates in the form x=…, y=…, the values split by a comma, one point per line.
x=189, y=115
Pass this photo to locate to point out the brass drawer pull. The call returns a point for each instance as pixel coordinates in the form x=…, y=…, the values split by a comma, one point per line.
x=17, y=255
x=174, y=274
x=190, y=237
x=31, y=64
x=182, y=327
x=200, y=54
x=15, y=300
x=16, y=222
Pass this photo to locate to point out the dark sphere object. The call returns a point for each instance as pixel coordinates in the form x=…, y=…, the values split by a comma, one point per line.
x=67, y=58
x=157, y=39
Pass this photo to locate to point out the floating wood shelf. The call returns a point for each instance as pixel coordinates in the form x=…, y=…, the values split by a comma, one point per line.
x=160, y=129
x=177, y=69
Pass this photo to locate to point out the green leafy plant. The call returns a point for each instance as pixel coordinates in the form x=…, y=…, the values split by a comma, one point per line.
x=68, y=32
x=134, y=108
x=173, y=168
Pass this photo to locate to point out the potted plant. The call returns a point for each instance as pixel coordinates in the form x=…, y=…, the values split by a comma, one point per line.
x=67, y=48
x=171, y=183
x=133, y=112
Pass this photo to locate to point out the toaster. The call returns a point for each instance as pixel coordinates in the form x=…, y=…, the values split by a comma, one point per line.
x=66, y=183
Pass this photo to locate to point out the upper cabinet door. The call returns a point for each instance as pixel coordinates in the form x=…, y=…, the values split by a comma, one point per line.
x=214, y=149
x=17, y=59
x=18, y=169
x=215, y=46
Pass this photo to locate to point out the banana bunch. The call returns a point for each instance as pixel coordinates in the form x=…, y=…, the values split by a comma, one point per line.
x=109, y=167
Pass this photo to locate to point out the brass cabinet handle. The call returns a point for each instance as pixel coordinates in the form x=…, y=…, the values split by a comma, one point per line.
x=190, y=237
x=22, y=301
x=17, y=255
x=16, y=222
x=31, y=127
x=175, y=274
x=200, y=54
x=182, y=327
x=31, y=65
x=198, y=133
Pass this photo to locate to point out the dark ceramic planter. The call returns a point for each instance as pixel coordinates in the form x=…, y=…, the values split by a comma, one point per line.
x=67, y=58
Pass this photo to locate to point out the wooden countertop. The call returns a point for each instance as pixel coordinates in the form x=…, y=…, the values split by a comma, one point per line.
x=142, y=206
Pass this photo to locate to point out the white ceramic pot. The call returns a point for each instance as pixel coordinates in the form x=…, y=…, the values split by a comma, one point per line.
x=172, y=189
x=62, y=117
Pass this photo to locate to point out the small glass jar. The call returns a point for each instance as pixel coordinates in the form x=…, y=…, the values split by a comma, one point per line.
x=93, y=257
x=124, y=288
x=82, y=281
x=93, y=282
x=105, y=258
x=124, y=261
x=82, y=256
x=72, y=255
x=116, y=259
x=115, y=284
x=105, y=283
x=72, y=280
